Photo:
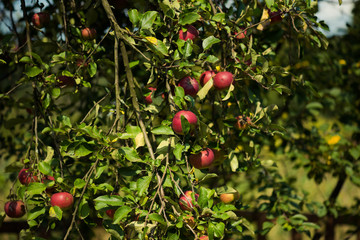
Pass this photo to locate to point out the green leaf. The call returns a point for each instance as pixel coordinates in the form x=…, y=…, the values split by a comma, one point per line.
x=32, y=71
x=134, y=16
x=130, y=154
x=219, y=17
x=92, y=69
x=45, y=168
x=55, y=92
x=121, y=213
x=65, y=120
x=46, y=101
x=55, y=211
x=269, y=3
x=179, y=92
x=163, y=130
x=84, y=209
x=158, y=218
x=35, y=188
x=79, y=183
x=83, y=150
x=209, y=41
x=355, y=152
x=188, y=18
x=178, y=151
x=203, y=198
x=26, y=59
x=185, y=125
x=216, y=229
x=148, y=19
x=110, y=200
x=114, y=229
x=35, y=212
x=143, y=184
x=187, y=49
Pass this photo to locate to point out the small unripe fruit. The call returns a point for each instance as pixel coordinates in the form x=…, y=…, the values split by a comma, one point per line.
x=40, y=19
x=229, y=197
x=63, y=200
x=176, y=122
x=223, y=80
x=191, y=33
x=206, y=76
x=241, y=35
x=26, y=177
x=202, y=159
x=15, y=209
x=190, y=86
x=242, y=123
x=204, y=237
x=88, y=33
x=185, y=201
x=148, y=98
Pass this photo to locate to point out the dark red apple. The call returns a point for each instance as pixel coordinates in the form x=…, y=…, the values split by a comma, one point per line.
x=26, y=177
x=110, y=212
x=275, y=16
x=40, y=19
x=15, y=209
x=63, y=200
x=249, y=62
x=203, y=159
x=185, y=201
x=241, y=34
x=81, y=63
x=223, y=80
x=191, y=33
x=88, y=33
x=148, y=98
x=65, y=81
x=176, y=122
x=206, y=76
x=190, y=86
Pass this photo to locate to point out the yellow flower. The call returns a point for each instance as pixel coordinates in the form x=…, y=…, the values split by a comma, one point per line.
x=334, y=140
x=218, y=68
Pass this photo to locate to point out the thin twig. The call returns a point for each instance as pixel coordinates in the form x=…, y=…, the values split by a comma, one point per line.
x=97, y=103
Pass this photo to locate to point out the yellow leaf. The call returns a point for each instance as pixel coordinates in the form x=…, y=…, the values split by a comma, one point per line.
x=334, y=140
x=52, y=212
x=152, y=40
x=218, y=68
x=265, y=20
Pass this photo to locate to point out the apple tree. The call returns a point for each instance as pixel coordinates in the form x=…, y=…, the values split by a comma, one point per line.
x=139, y=115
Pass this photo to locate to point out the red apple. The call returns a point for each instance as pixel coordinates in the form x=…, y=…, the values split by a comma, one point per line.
x=206, y=76
x=191, y=33
x=275, y=16
x=204, y=237
x=148, y=98
x=185, y=201
x=223, y=80
x=190, y=86
x=14, y=209
x=229, y=197
x=110, y=212
x=88, y=33
x=26, y=177
x=202, y=159
x=176, y=122
x=40, y=19
x=65, y=81
x=241, y=35
x=63, y=200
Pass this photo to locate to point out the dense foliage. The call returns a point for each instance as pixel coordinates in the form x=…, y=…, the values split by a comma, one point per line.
x=90, y=91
